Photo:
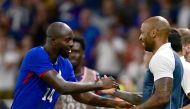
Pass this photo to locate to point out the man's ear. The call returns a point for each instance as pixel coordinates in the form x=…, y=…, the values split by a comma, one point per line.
x=53, y=41
x=153, y=33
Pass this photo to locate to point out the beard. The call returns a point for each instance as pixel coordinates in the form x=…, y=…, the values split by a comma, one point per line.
x=148, y=49
x=64, y=53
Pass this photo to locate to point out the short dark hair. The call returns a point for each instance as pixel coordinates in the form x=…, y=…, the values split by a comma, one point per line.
x=175, y=39
x=80, y=40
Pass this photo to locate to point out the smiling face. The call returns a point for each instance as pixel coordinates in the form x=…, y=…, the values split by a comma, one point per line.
x=60, y=37
x=146, y=39
x=64, y=44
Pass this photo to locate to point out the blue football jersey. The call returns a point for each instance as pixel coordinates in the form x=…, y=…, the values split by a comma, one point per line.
x=32, y=92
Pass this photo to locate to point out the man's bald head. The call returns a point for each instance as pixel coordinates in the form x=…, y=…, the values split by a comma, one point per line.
x=58, y=29
x=158, y=23
x=59, y=39
x=154, y=32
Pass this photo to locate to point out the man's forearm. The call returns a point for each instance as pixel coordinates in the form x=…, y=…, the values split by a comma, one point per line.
x=96, y=100
x=161, y=96
x=154, y=102
x=133, y=98
x=76, y=87
x=65, y=87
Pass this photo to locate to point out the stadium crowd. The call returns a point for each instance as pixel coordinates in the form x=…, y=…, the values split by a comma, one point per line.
x=110, y=29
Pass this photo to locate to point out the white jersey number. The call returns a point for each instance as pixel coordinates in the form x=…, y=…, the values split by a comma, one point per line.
x=48, y=95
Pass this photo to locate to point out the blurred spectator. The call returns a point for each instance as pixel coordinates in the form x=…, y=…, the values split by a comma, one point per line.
x=143, y=13
x=65, y=14
x=9, y=58
x=130, y=8
x=69, y=12
x=109, y=53
x=165, y=8
x=106, y=16
x=134, y=70
x=184, y=14
x=50, y=6
x=25, y=45
x=4, y=22
x=39, y=24
x=93, y=5
x=133, y=75
x=90, y=33
x=16, y=12
x=5, y=4
x=133, y=45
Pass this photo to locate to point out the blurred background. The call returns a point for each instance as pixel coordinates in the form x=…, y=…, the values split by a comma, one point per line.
x=110, y=29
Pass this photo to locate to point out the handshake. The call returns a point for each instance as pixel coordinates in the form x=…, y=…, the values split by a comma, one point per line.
x=108, y=85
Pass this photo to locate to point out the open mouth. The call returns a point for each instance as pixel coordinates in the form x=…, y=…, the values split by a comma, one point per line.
x=69, y=51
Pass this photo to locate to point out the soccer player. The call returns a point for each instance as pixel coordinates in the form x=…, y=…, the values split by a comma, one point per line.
x=162, y=84
x=46, y=73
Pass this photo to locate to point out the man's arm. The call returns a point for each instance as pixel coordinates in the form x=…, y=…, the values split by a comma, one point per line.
x=133, y=98
x=64, y=87
x=96, y=100
x=163, y=88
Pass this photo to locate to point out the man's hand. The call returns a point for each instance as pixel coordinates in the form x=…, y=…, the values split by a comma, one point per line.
x=107, y=83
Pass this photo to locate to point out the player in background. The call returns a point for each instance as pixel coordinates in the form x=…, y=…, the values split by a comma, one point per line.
x=46, y=73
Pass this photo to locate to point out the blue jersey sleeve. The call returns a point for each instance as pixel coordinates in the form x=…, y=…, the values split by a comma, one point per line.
x=72, y=74
x=38, y=62
x=72, y=77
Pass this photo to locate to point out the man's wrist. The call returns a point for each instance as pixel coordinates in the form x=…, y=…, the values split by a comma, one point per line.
x=98, y=85
x=115, y=92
